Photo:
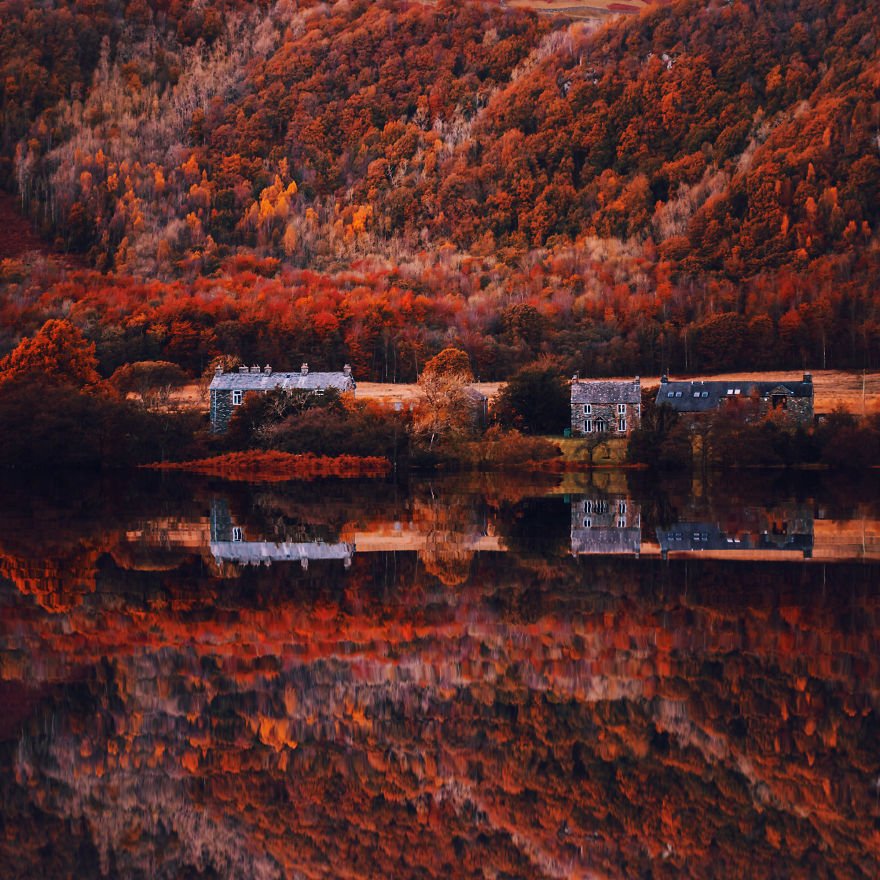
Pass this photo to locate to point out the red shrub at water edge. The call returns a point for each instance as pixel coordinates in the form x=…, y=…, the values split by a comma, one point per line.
x=280, y=466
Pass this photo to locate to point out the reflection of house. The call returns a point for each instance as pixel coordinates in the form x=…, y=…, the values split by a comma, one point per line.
x=793, y=401
x=605, y=406
x=229, y=390
x=231, y=543
x=605, y=524
x=690, y=537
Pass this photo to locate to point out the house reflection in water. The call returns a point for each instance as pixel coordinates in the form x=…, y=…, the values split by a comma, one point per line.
x=754, y=533
x=230, y=543
x=605, y=524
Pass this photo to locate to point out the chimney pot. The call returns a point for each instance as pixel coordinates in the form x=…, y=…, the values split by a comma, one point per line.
x=347, y=369
x=304, y=369
x=242, y=369
x=255, y=369
x=267, y=370
x=808, y=377
x=664, y=379
x=218, y=370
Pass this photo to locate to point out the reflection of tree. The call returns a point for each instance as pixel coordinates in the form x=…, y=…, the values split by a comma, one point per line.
x=537, y=527
x=451, y=524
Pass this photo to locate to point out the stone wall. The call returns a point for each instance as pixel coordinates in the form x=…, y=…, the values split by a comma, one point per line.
x=221, y=410
x=606, y=411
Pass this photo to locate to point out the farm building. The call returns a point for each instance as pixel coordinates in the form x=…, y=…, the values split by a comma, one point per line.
x=230, y=390
x=792, y=402
x=605, y=406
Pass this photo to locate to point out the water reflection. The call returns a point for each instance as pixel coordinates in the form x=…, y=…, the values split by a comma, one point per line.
x=465, y=699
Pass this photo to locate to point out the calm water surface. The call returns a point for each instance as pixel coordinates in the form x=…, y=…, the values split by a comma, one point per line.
x=481, y=678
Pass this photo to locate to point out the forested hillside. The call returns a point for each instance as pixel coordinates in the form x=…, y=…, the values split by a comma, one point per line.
x=693, y=187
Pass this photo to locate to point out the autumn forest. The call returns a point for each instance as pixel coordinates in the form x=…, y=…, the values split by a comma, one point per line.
x=692, y=188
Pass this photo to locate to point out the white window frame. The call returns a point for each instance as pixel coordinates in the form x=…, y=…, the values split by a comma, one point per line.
x=621, y=424
x=588, y=409
x=588, y=426
x=237, y=397
x=237, y=534
x=621, y=409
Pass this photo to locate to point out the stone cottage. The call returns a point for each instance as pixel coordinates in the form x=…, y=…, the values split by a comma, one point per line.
x=605, y=406
x=792, y=402
x=229, y=390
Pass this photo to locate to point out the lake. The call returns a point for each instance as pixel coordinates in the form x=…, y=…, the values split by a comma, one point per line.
x=461, y=677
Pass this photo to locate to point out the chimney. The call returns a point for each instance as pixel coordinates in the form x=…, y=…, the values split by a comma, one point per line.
x=637, y=380
x=664, y=379
x=267, y=370
x=255, y=369
x=242, y=369
x=808, y=378
x=304, y=369
x=347, y=369
x=576, y=377
x=218, y=370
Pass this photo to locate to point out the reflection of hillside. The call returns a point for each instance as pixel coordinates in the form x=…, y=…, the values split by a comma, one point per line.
x=621, y=717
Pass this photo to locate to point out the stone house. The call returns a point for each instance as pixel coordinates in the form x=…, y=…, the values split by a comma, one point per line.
x=605, y=406
x=792, y=402
x=230, y=390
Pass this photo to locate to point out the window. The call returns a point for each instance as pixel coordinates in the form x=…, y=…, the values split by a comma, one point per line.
x=588, y=523
x=236, y=398
x=237, y=534
x=621, y=424
x=588, y=506
x=601, y=507
x=730, y=391
x=621, y=507
x=621, y=522
x=670, y=394
x=601, y=426
x=678, y=394
x=588, y=409
x=621, y=409
x=736, y=390
x=696, y=394
x=705, y=394
x=588, y=426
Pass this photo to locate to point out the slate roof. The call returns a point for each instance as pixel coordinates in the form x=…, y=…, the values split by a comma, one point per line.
x=605, y=391
x=257, y=552
x=706, y=396
x=690, y=536
x=288, y=381
x=606, y=541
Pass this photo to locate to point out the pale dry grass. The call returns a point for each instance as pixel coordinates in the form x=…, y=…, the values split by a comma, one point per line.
x=574, y=9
